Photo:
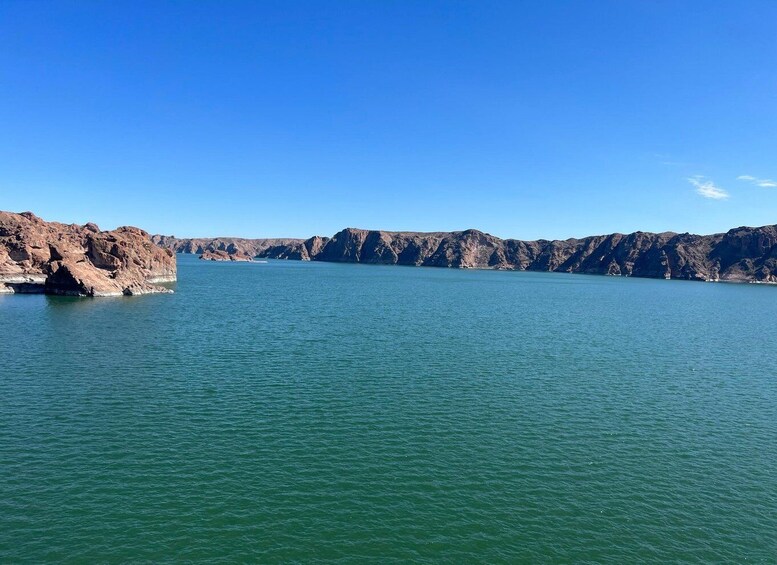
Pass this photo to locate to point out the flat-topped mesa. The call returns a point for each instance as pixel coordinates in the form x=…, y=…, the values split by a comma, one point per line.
x=219, y=255
x=69, y=259
x=742, y=254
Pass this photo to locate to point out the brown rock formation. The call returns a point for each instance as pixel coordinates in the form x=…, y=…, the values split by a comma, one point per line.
x=232, y=245
x=39, y=256
x=278, y=248
x=741, y=254
x=219, y=255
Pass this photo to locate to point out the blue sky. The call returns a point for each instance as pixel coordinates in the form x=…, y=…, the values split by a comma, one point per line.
x=259, y=119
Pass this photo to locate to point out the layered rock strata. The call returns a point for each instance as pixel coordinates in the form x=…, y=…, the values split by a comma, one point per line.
x=741, y=254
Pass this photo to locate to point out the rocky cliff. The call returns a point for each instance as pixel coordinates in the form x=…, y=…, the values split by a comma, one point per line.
x=741, y=254
x=279, y=248
x=231, y=245
x=39, y=256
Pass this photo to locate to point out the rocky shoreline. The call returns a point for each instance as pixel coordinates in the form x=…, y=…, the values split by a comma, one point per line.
x=219, y=255
x=742, y=254
x=230, y=245
x=69, y=259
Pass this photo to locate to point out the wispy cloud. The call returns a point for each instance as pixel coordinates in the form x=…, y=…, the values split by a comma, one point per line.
x=763, y=183
x=707, y=188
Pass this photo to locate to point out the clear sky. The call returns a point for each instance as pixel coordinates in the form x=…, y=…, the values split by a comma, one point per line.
x=291, y=118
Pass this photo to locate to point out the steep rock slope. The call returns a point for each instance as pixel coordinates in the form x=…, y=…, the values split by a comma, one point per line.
x=741, y=254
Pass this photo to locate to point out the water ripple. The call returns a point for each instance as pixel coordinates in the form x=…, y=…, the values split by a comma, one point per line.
x=294, y=412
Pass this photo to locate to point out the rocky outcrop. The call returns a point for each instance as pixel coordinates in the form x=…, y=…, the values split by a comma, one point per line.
x=278, y=248
x=69, y=259
x=232, y=245
x=741, y=254
x=219, y=255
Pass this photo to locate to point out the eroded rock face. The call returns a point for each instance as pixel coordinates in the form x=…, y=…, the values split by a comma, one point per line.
x=219, y=255
x=283, y=248
x=742, y=254
x=40, y=256
x=232, y=245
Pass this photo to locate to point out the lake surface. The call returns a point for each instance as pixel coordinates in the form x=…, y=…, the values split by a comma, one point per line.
x=295, y=412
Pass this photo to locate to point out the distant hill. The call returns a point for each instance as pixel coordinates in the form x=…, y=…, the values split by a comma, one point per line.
x=741, y=254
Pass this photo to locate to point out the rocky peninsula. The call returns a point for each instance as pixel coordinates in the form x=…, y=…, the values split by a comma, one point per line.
x=742, y=254
x=219, y=255
x=69, y=259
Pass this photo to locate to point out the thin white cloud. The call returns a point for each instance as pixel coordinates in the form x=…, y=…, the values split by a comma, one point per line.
x=707, y=188
x=763, y=183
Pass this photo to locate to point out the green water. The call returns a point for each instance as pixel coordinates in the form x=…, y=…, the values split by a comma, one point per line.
x=298, y=412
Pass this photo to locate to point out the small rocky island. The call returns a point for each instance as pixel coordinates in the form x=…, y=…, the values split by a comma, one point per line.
x=69, y=259
x=220, y=255
x=742, y=254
